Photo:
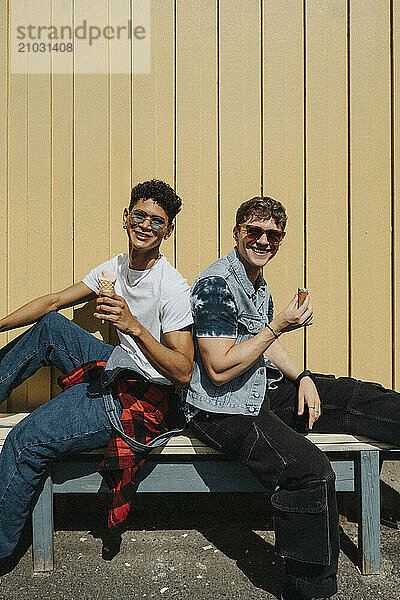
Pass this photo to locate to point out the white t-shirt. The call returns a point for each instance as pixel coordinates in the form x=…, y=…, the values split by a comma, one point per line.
x=159, y=298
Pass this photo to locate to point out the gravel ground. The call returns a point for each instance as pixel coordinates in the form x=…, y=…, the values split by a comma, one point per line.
x=207, y=547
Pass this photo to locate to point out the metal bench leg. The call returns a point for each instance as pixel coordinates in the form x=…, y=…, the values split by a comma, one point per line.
x=369, y=512
x=43, y=530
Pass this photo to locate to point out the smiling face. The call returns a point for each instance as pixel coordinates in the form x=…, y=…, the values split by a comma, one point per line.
x=144, y=240
x=256, y=250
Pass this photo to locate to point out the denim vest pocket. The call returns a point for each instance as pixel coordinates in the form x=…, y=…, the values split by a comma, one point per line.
x=249, y=325
x=302, y=523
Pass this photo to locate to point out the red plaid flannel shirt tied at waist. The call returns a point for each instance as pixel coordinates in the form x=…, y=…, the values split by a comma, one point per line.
x=150, y=417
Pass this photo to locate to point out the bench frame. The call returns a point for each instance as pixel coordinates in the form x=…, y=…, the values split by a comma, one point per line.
x=357, y=472
x=185, y=464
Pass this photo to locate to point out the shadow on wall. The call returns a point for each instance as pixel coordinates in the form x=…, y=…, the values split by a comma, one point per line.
x=83, y=316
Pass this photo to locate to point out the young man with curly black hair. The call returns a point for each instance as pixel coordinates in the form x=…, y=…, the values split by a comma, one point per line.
x=124, y=397
x=249, y=399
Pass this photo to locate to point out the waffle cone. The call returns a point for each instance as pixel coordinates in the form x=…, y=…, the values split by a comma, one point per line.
x=302, y=295
x=106, y=286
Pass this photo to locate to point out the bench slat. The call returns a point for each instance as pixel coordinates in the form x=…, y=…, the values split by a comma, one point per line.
x=226, y=476
x=188, y=444
x=11, y=419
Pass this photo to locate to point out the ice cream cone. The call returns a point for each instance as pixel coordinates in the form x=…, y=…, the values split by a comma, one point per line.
x=302, y=294
x=106, y=286
x=107, y=281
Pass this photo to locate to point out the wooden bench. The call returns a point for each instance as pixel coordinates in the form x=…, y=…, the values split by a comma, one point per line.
x=187, y=465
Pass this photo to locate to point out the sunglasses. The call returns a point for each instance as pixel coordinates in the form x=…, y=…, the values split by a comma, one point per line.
x=137, y=217
x=254, y=232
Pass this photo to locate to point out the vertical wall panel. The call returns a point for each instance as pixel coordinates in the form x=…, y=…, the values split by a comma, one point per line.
x=17, y=211
x=120, y=159
x=91, y=162
x=240, y=110
x=197, y=136
x=91, y=170
x=326, y=160
x=3, y=166
x=396, y=199
x=120, y=131
x=370, y=191
x=62, y=216
x=62, y=259
x=39, y=200
x=153, y=108
x=283, y=148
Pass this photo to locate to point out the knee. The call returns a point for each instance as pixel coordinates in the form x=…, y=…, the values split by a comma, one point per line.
x=18, y=438
x=52, y=318
x=319, y=465
x=315, y=466
x=25, y=453
x=52, y=322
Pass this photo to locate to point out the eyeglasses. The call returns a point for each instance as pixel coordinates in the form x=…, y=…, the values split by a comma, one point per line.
x=254, y=232
x=137, y=217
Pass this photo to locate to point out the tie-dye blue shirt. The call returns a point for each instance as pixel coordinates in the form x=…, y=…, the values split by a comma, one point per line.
x=214, y=308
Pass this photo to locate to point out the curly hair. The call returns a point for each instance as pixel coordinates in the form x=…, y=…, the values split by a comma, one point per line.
x=161, y=193
x=262, y=207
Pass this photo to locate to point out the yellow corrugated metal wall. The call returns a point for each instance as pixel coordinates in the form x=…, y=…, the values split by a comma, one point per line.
x=296, y=99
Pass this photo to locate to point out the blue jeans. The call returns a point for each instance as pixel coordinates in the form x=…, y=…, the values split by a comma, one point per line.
x=73, y=422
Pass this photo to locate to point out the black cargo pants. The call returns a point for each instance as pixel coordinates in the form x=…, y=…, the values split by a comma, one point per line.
x=300, y=476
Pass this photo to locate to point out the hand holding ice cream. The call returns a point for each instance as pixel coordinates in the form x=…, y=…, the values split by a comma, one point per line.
x=114, y=308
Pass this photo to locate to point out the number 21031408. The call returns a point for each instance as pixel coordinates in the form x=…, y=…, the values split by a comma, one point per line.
x=42, y=47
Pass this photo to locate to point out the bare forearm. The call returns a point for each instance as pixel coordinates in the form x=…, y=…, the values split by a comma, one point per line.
x=278, y=355
x=34, y=310
x=29, y=313
x=174, y=365
x=239, y=357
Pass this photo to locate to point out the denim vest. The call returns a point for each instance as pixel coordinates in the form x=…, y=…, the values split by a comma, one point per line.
x=244, y=393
